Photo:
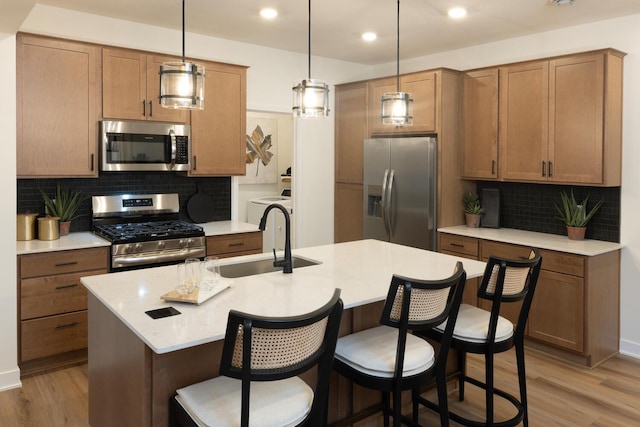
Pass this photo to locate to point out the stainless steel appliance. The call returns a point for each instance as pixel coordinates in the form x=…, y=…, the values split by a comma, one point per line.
x=400, y=183
x=144, y=230
x=144, y=146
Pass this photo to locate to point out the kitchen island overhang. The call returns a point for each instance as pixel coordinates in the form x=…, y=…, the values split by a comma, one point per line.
x=136, y=363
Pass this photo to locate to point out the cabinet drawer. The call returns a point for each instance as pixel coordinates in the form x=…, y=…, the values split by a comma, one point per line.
x=503, y=250
x=53, y=335
x=45, y=296
x=563, y=262
x=49, y=263
x=233, y=243
x=460, y=245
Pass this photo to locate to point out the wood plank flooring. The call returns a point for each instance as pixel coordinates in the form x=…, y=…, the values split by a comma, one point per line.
x=560, y=394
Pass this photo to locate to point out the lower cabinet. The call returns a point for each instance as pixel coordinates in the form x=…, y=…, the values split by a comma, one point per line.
x=52, y=305
x=348, y=212
x=576, y=307
x=230, y=245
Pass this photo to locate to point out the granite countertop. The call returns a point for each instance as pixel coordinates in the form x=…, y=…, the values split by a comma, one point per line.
x=361, y=269
x=552, y=242
x=86, y=239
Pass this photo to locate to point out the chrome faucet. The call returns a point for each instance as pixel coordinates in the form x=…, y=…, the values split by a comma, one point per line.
x=286, y=261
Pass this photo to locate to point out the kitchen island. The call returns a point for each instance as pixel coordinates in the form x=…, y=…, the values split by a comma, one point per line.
x=136, y=363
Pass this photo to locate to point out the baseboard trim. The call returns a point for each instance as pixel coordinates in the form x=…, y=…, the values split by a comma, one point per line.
x=630, y=348
x=10, y=380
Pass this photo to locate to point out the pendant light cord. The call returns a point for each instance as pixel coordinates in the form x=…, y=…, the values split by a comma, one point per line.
x=397, y=48
x=183, y=31
x=309, y=40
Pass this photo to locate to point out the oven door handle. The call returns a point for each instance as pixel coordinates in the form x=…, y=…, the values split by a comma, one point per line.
x=172, y=135
x=154, y=258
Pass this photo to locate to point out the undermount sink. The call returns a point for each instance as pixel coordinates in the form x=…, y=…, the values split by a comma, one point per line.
x=260, y=266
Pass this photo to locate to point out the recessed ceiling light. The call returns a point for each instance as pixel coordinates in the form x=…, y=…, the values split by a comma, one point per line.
x=457, y=12
x=562, y=2
x=268, y=13
x=369, y=36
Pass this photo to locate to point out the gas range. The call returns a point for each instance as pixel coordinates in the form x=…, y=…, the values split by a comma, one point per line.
x=145, y=230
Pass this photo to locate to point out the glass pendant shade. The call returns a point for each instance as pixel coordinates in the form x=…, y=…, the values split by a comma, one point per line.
x=311, y=99
x=397, y=109
x=182, y=85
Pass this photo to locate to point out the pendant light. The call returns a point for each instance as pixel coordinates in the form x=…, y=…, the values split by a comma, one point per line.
x=397, y=107
x=311, y=96
x=182, y=83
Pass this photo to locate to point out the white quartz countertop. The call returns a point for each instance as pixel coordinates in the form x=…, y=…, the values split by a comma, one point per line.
x=79, y=240
x=86, y=239
x=552, y=242
x=361, y=269
x=217, y=228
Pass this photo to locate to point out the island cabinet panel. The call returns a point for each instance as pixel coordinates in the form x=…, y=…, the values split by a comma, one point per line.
x=58, y=100
x=218, y=133
x=53, y=306
x=131, y=86
x=230, y=245
x=479, y=150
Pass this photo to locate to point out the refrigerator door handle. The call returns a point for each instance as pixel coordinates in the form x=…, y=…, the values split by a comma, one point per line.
x=383, y=201
x=388, y=205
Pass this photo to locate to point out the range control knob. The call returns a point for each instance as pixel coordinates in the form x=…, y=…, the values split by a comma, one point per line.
x=138, y=247
x=128, y=249
x=183, y=243
x=162, y=244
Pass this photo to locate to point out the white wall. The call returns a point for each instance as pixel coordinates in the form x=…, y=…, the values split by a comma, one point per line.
x=622, y=34
x=9, y=373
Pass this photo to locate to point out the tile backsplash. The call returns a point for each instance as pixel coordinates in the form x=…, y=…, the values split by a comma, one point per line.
x=530, y=207
x=219, y=188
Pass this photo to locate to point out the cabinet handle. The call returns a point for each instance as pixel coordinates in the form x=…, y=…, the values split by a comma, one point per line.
x=92, y=156
x=65, y=264
x=67, y=325
x=457, y=245
x=543, y=168
x=194, y=163
x=550, y=169
x=235, y=244
x=73, y=285
x=524, y=257
x=150, y=109
x=493, y=167
x=144, y=108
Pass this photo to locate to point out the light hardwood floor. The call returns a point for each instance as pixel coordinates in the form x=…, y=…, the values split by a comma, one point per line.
x=560, y=394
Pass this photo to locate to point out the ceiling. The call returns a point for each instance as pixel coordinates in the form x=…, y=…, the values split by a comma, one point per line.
x=336, y=25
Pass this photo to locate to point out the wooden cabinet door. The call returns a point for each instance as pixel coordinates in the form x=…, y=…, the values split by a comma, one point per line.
x=218, y=132
x=422, y=87
x=350, y=132
x=124, y=84
x=154, y=111
x=377, y=88
x=576, y=99
x=57, y=108
x=479, y=154
x=348, y=212
x=557, y=311
x=524, y=118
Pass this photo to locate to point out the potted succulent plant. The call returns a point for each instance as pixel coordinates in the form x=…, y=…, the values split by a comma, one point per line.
x=63, y=205
x=575, y=215
x=472, y=209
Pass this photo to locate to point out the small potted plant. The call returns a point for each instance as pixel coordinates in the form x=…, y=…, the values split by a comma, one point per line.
x=575, y=215
x=63, y=205
x=472, y=209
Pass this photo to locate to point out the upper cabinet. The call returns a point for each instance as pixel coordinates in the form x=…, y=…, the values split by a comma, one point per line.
x=421, y=86
x=131, y=87
x=561, y=120
x=58, y=100
x=479, y=153
x=218, y=132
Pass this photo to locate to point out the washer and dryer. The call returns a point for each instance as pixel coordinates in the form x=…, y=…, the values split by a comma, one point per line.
x=274, y=234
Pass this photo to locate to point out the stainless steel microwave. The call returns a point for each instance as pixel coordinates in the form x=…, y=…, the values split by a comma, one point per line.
x=144, y=146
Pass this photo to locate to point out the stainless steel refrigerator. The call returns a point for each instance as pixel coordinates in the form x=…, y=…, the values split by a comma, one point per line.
x=400, y=182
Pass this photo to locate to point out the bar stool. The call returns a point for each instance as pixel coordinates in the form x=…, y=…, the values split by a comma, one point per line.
x=389, y=359
x=258, y=382
x=482, y=332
